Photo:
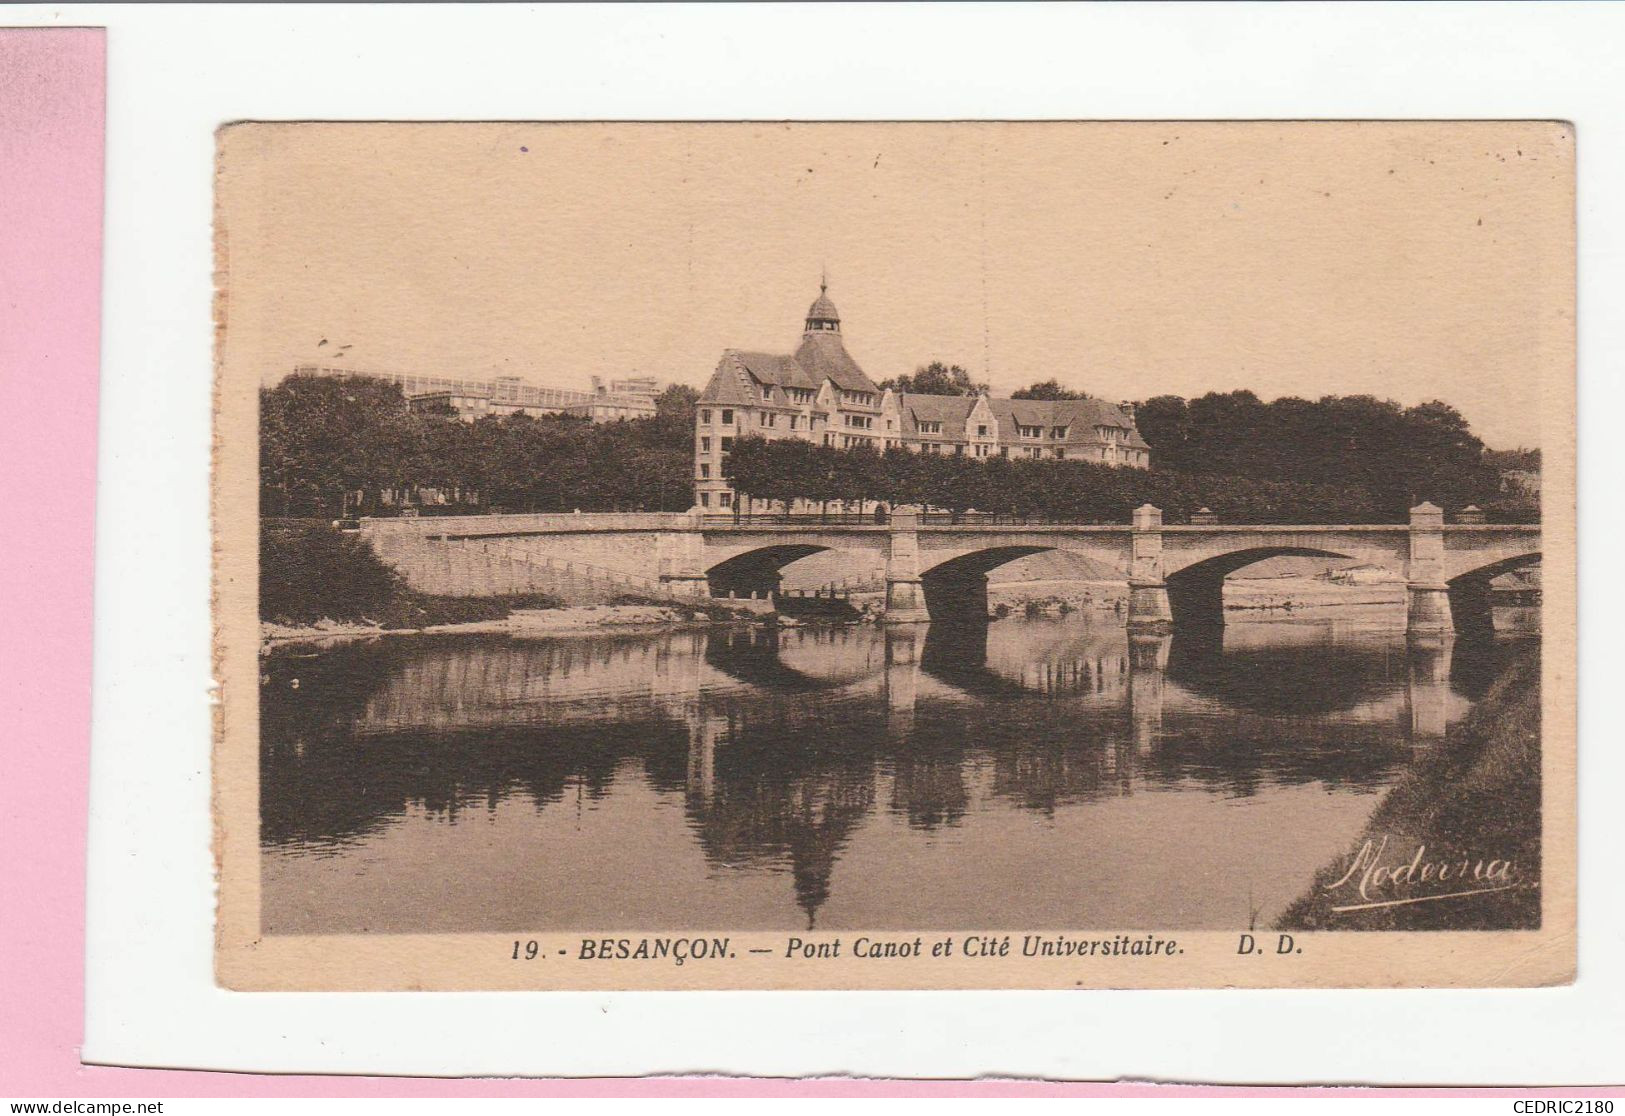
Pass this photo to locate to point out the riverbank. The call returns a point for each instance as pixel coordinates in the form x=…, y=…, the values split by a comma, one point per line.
x=1466, y=817
x=522, y=622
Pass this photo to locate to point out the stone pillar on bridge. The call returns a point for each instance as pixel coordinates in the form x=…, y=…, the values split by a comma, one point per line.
x=1148, y=608
x=1428, y=596
x=680, y=557
x=905, y=594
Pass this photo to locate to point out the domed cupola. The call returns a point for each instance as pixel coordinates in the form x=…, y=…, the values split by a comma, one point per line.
x=822, y=317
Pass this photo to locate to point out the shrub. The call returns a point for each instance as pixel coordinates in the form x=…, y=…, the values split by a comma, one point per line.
x=311, y=572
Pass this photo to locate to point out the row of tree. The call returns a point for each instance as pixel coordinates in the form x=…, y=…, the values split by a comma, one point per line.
x=938, y=378
x=344, y=445
x=784, y=473
x=1399, y=454
x=332, y=446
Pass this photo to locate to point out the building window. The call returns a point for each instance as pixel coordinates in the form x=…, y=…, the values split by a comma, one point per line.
x=1057, y=431
x=829, y=439
x=1060, y=452
x=769, y=420
x=727, y=417
x=726, y=499
x=1030, y=431
x=705, y=443
x=705, y=416
x=930, y=428
x=705, y=471
x=981, y=430
x=981, y=451
x=727, y=444
x=705, y=499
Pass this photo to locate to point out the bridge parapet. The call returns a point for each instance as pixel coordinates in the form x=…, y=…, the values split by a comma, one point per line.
x=481, y=555
x=525, y=523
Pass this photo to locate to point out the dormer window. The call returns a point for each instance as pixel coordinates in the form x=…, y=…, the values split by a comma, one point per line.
x=930, y=428
x=1058, y=431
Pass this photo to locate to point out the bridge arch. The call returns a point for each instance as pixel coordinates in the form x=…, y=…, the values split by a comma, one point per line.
x=757, y=570
x=1471, y=604
x=956, y=589
x=1196, y=591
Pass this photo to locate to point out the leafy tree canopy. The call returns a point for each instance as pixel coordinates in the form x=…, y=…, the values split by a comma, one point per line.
x=936, y=378
x=1048, y=389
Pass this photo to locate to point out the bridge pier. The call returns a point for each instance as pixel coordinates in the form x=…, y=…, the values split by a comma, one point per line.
x=680, y=557
x=1427, y=611
x=1148, y=607
x=905, y=592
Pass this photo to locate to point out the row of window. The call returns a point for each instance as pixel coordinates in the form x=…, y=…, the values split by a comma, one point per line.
x=929, y=426
x=958, y=450
x=1058, y=452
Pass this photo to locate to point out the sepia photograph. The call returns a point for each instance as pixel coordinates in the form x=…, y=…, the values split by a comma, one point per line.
x=765, y=555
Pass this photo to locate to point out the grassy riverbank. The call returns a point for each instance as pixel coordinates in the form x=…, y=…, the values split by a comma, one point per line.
x=311, y=574
x=1473, y=799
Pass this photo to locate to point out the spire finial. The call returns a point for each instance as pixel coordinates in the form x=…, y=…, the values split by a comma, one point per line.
x=823, y=278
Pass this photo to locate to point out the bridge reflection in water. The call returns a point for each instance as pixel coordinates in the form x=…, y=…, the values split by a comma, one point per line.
x=1019, y=774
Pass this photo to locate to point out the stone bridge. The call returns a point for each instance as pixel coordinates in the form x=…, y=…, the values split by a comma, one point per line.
x=1175, y=573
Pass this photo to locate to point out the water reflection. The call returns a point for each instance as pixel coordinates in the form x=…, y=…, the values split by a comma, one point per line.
x=1027, y=773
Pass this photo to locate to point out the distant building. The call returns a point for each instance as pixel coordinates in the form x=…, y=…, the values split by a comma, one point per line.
x=472, y=400
x=622, y=399
x=819, y=394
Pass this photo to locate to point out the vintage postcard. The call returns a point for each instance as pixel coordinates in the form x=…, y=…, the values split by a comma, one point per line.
x=895, y=555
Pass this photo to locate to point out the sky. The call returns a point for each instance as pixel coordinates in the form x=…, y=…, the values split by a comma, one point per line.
x=1410, y=261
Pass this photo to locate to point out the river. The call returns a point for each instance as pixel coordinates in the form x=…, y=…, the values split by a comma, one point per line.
x=1048, y=773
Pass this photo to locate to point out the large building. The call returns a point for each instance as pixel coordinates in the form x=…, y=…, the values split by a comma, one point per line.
x=471, y=400
x=819, y=394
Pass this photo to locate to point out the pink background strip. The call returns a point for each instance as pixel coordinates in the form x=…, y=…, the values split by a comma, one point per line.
x=52, y=112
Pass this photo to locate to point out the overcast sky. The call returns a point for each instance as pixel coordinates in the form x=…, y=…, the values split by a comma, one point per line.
x=1406, y=261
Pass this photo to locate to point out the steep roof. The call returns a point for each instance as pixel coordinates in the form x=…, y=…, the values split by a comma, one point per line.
x=823, y=357
x=951, y=411
x=1081, y=416
x=730, y=383
x=823, y=309
x=776, y=369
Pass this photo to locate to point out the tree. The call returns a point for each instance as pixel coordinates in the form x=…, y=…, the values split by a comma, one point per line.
x=1048, y=389
x=1164, y=422
x=936, y=378
x=326, y=437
